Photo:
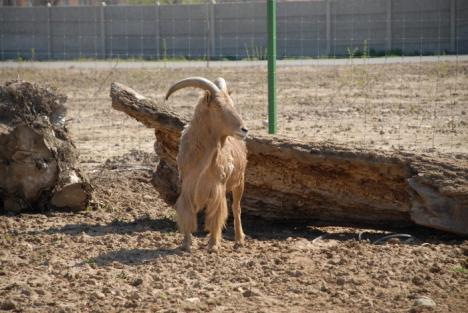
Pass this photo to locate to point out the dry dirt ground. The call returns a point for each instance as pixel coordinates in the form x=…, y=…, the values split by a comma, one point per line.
x=415, y=107
x=121, y=254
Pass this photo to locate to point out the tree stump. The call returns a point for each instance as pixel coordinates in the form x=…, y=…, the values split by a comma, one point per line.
x=38, y=161
x=287, y=179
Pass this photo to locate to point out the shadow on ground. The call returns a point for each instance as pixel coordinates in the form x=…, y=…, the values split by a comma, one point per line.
x=132, y=256
x=260, y=229
x=116, y=227
x=263, y=230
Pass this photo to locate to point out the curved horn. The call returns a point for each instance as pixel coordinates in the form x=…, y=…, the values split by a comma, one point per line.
x=196, y=82
x=221, y=83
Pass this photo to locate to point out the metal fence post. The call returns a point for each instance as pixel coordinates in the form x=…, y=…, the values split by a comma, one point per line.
x=453, y=23
x=49, y=32
x=158, y=30
x=103, y=30
x=211, y=31
x=272, y=112
x=328, y=27
x=388, y=32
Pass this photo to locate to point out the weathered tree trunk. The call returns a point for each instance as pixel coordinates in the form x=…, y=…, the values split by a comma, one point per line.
x=288, y=179
x=38, y=161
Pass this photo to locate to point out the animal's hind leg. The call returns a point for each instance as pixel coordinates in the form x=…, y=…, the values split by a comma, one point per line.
x=216, y=215
x=236, y=212
x=186, y=220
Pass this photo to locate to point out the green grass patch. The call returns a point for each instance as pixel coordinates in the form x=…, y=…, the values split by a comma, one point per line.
x=460, y=269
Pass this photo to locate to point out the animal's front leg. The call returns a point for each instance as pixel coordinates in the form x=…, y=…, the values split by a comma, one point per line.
x=236, y=210
x=187, y=243
x=186, y=220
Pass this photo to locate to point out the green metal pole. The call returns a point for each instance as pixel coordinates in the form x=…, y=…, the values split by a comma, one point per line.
x=272, y=114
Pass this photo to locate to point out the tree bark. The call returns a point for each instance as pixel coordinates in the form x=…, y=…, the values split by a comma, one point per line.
x=291, y=180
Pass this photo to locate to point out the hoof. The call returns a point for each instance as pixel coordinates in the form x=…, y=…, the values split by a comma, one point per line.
x=186, y=248
x=213, y=249
x=239, y=243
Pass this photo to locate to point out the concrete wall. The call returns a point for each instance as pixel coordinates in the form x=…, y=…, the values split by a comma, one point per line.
x=234, y=30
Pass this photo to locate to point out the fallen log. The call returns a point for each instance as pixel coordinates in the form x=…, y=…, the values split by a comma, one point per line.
x=291, y=180
x=38, y=161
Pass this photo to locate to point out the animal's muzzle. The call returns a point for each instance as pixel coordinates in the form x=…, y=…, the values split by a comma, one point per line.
x=242, y=133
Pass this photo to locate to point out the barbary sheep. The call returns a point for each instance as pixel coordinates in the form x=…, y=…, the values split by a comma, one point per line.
x=211, y=161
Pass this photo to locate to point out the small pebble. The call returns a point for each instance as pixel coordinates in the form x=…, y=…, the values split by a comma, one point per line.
x=424, y=301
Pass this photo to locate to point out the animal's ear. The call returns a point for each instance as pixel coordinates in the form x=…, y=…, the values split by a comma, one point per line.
x=230, y=92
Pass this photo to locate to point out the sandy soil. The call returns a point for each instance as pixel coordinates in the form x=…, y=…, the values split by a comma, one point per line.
x=121, y=254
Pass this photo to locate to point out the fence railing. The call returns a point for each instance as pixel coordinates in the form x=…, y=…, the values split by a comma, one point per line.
x=306, y=29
